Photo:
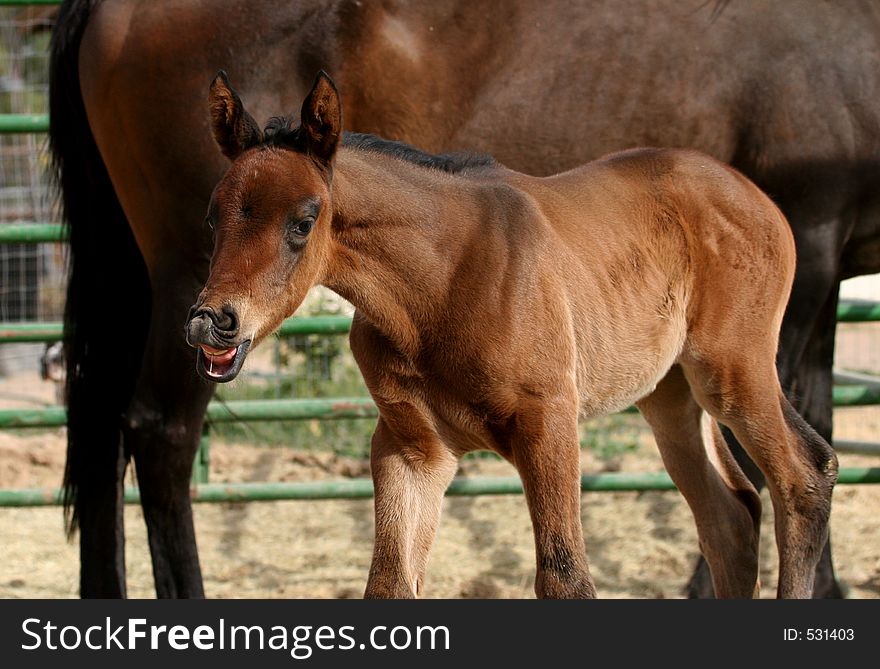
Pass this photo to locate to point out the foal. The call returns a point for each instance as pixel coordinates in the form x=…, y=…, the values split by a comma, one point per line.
x=495, y=309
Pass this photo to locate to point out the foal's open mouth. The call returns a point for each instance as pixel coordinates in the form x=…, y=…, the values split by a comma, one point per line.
x=221, y=365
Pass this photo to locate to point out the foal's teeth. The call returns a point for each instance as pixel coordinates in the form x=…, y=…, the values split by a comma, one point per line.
x=219, y=353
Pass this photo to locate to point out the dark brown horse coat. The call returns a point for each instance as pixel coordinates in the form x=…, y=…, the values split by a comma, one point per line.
x=785, y=91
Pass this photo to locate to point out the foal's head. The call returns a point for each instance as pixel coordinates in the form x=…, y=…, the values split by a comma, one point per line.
x=271, y=216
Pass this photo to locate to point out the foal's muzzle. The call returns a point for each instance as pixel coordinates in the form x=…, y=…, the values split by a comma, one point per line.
x=220, y=352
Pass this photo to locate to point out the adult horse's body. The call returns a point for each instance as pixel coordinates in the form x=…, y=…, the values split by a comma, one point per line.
x=786, y=92
x=495, y=308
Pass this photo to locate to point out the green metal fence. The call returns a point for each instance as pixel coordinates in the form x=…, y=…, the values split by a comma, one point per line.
x=342, y=408
x=320, y=409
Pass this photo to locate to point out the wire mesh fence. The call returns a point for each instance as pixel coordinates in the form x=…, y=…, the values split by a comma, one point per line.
x=31, y=276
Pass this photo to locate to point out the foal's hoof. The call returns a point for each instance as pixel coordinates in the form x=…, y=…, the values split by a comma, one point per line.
x=829, y=589
x=700, y=586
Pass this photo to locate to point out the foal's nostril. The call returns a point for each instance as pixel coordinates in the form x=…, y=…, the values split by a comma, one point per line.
x=203, y=314
x=198, y=327
x=205, y=318
x=193, y=311
x=227, y=320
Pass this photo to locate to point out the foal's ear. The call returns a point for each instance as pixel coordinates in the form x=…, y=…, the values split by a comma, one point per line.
x=321, y=119
x=234, y=129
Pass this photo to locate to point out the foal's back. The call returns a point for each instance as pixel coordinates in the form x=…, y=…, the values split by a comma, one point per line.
x=649, y=248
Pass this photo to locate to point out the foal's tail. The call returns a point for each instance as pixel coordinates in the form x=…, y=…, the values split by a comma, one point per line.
x=105, y=272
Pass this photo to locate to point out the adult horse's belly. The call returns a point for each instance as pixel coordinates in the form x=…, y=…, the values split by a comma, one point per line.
x=147, y=112
x=145, y=92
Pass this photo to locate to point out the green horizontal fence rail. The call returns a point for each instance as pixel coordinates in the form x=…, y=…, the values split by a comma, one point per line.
x=322, y=409
x=23, y=123
x=363, y=488
x=31, y=233
x=10, y=333
x=8, y=3
x=222, y=412
x=15, y=333
x=858, y=311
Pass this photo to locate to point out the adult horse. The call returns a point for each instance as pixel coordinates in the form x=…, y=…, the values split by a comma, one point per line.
x=783, y=91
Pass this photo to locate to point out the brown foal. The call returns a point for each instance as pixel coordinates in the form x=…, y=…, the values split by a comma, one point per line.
x=495, y=309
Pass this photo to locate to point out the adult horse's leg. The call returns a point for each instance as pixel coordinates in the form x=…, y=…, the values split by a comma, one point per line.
x=411, y=470
x=726, y=507
x=162, y=430
x=805, y=360
x=546, y=453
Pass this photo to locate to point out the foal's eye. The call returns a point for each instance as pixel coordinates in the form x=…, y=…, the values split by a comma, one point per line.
x=303, y=227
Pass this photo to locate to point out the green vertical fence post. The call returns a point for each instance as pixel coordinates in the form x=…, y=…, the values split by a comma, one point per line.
x=201, y=465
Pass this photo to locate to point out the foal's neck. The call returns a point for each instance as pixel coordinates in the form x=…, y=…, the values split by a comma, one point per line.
x=400, y=233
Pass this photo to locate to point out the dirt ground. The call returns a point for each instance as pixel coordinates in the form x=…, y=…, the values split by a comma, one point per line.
x=640, y=545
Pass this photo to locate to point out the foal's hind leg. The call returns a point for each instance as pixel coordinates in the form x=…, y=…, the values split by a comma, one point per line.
x=805, y=360
x=725, y=505
x=411, y=470
x=743, y=392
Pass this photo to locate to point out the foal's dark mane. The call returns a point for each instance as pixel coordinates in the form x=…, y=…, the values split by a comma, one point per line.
x=280, y=132
x=446, y=162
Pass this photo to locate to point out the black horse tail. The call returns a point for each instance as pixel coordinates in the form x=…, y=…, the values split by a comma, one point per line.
x=107, y=282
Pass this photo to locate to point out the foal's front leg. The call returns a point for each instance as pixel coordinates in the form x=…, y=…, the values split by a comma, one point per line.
x=411, y=470
x=546, y=452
